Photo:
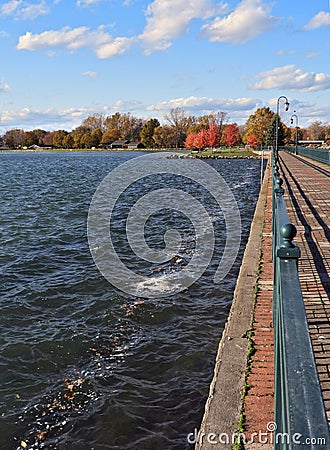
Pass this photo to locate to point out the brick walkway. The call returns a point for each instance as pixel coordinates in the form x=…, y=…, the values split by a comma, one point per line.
x=259, y=401
x=307, y=196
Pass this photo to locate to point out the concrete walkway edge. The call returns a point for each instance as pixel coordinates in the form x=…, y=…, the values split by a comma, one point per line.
x=224, y=403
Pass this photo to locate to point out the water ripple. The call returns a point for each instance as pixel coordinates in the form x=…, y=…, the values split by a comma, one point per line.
x=83, y=365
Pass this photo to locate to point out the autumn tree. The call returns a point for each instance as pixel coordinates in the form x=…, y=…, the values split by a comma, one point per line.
x=165, y=136
x=33, y=137
x=131, y=127
x=257, y=125
x=206, y=137
x=58, y=138
x=213, y=135
x=68, y=141
x=122, y=126
x=93, y=122
x=178, y=121
x=191, y=140
x=220, y=118
x=48, y=138
x=147, y=132
x=230, y=135
x=252, y=140
x=14, y=138
x=316, y=131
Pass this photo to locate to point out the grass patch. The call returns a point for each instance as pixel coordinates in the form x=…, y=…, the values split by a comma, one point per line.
x=232, y=152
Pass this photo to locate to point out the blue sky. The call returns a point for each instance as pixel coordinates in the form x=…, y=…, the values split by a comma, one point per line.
x=63, y=60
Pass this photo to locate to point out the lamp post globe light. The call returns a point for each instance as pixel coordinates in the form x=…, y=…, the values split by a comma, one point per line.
x=296, y=134
x=286, y=105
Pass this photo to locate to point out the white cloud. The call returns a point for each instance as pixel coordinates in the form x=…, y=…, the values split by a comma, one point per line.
x=24, y=10
x=104, y=45
x=206, y=104
x=90, y=74
x=168, y=20
x=291, y=77
x=285, y=52
x=322, y=19
x=87, y=2
x=4, y=87
x=126, y=105
x=250, y=19
x=116, y=47
x=49, y=119
x=312, y=54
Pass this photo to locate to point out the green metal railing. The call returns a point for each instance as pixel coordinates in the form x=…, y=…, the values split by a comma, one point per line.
x=300, y=417
x=318, y=154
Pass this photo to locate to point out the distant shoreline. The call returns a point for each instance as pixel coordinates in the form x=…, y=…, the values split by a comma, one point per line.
x=177, y=153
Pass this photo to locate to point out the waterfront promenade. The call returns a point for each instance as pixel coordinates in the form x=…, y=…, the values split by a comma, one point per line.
x=307, y=197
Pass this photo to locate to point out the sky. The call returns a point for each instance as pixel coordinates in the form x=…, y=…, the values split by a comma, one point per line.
x=64, y=60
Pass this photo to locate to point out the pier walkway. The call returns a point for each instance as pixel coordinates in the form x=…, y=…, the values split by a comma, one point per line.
x=307, y=197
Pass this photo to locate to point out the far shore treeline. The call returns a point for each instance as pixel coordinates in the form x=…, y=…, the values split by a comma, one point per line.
x=178, y=130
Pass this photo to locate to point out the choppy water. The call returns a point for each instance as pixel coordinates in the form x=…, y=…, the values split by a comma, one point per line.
x=82, y=365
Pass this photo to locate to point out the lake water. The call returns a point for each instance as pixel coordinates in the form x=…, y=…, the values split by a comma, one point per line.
x=84, y=365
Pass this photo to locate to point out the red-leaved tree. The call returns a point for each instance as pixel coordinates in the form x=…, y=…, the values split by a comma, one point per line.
x=204, y=138
x=190, y=141
x=213, y=135
x=252, y=140
x=230, y=134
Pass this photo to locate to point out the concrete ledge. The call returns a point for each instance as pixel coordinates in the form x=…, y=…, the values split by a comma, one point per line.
x=223, y=406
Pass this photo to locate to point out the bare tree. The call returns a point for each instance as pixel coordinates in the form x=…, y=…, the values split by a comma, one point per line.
x=178, y=120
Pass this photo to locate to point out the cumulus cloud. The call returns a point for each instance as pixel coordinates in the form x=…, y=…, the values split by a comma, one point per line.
x=322, y=19
x=48, y=119
x=24, y=10
x=250, y=19
x=291, y=77
x=203, y=104
x=168, y=19
x=104, y=45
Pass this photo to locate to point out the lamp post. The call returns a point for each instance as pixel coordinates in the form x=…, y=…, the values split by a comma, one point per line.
x=286, y=104
x=296, y=134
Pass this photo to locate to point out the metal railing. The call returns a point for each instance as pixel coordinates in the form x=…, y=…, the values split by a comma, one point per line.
x=317, y=154
x=300, y=416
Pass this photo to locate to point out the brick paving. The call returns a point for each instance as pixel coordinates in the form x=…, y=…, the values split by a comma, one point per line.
x=307, y=196
x=259, y=400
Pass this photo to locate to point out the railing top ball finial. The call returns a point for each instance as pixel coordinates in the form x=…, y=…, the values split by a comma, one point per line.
x=278, y=185
x=288, y=233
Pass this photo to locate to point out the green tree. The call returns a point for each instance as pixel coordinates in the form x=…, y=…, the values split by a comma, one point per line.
x=270, y=135
x=96, y=137
x=147, y=132
x=58, y=138
x=165, y=136
x=68, y=141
